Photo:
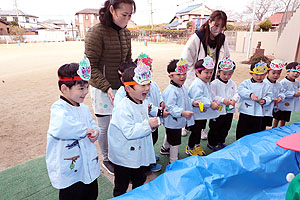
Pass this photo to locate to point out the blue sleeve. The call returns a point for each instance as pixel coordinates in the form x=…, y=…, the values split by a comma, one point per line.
x=244, y=91
x=197, y=93
x=170, y=98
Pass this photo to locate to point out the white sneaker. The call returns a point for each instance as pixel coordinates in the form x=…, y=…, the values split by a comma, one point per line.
x=203, y=134
x=184, y=132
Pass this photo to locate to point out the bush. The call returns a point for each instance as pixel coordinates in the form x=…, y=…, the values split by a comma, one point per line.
x=229, y=27
x=266, y=25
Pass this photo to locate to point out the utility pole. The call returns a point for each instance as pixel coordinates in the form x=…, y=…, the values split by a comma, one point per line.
x=251, y=30
x=17, y=12
x=151, y=14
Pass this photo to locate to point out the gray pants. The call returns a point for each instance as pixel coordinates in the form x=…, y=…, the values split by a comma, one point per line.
x=103, y=123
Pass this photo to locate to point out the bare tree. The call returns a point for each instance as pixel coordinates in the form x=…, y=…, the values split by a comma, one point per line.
x=266, y=8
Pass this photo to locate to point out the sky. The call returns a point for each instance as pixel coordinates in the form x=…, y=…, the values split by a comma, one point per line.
x=163, y=10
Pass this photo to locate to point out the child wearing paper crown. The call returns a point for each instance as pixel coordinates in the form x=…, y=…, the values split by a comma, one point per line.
x=224, y=91
x=130, y=145
x=277, y=90
x=254, y=96
x=72, y=158
x=292, y=93
x=156, y=105
x=204, y=106
x=180, y=108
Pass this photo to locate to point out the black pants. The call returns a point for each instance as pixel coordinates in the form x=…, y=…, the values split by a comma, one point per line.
x=80, y=191
x=173, y=136
x=218, y=129
x=124, y=174
x=248, y=124
x=155, y=136
x=195, y=136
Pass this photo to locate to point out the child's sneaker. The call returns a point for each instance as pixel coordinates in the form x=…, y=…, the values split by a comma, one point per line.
x=203, y=134
x=155, y=167
x=156, y=157
x=199, y=150
x=164, y=151
x=222, y=145
x=214, y=148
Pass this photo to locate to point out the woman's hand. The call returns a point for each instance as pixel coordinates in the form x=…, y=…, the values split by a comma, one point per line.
x=111, y=95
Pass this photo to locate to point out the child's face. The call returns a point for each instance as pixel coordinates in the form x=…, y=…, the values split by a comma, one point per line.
x=138, y=92
x=274, y=75
x=225, y=75
x=179, y=79
x=205, y=75
x=76, y=93
x=258, y=77
x=292, y=74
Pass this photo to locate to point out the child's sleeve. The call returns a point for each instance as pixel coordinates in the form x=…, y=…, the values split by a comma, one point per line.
x=63, y=125
x=244, y=91
x=170, y=99
x=281, y=92
x=236, y=94
x=288, y=91
x=130, y=129
x=93, y=124
x=268, y=96
x=197, y=93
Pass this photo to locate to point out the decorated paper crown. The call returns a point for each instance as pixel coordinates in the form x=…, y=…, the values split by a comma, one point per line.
x=84, y=70
x=142, y=75
x=297, y=69
x=145, y=59
x=181, y=67
x=226, y=65
x=276, y=64
x=260, y=68
x=208, y=63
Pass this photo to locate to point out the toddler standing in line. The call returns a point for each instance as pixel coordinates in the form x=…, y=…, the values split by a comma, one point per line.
x=204, y=107
x=254, y=96
x=72, y=158
x=292, y=93
x=225, y=91
x=180, y=108
x=277, y=90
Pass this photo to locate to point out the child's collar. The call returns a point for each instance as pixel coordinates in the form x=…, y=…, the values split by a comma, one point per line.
x=222, y=80
x=66, y=100
x=130, y=98
x=270, y=80
x=290, y=79
x=175, y=84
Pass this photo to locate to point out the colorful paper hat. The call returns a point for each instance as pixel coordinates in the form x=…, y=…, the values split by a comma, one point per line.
x=226, y=65
x=84, y=70
x=208, y=62
x=142, y=74
x=276, y=64
x=181, y=67
x=260, y=68
x=145, y=59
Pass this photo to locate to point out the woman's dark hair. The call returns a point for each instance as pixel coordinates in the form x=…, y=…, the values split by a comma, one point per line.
x=69, y=70
x=292, y=65
x=216, y=15
x=172, y=66
x=104, y=14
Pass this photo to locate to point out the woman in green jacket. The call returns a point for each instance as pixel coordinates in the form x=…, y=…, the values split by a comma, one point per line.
x=107, y=45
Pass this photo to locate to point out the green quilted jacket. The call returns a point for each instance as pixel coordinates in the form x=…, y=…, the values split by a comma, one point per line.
x=107, y=48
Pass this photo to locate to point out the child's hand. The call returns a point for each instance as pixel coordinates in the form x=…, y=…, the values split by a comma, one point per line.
x=92, y=135
x=254, y=97
x=166, y=113
x=187, y=114
x=153, y=122
x=279, y=99
x=261, y=101
x=196, y=103
x=226, y=102
x=162, y=104
x=214, y=105
x=297, y=94
x=232, y=102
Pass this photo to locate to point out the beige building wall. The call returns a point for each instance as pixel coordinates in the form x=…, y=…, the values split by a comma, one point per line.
x=268, y=41
x=287, y=44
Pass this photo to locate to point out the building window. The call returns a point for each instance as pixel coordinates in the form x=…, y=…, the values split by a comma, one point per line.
x=15, y=19
x=27, y=19
x=86, y=17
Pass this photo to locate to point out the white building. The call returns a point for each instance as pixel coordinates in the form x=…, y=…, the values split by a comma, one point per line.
x=24, y=20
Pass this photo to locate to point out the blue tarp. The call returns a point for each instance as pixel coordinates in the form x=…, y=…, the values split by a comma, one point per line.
x=253, y=167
